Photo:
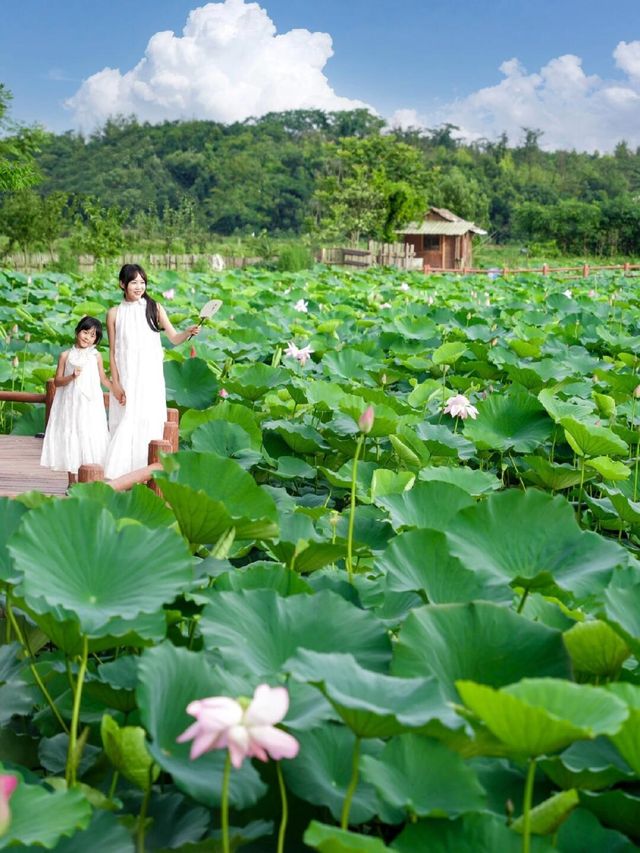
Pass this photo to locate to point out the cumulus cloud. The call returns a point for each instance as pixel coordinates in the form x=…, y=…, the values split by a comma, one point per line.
x=229, y=63
x=573, y=109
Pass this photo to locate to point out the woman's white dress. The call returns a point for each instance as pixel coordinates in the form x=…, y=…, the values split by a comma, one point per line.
x=77, y=431
x=139, y=356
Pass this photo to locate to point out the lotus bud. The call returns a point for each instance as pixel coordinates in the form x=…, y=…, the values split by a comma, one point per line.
x=365, y=423
x=8, y=785
x=334, y=518
x=27, y=337
x=383, y=379
x=636, y=392
x=223, y=393
x=15, y=361
x=15, y=329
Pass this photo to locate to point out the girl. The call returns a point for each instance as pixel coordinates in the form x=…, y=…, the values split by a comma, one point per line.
x=77, y=431
x=137, y=406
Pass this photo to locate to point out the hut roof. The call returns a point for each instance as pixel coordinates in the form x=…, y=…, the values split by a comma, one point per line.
x=448, y=224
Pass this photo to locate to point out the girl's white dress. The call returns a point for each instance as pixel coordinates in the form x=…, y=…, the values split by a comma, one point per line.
x=77, y=431
x=139, y=356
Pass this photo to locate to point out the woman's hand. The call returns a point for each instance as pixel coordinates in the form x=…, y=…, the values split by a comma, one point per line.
x=192, y=331
x=118, y=393
x=76, y=372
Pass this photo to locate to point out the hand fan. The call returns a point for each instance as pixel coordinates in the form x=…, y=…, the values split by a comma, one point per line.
x=208, y=310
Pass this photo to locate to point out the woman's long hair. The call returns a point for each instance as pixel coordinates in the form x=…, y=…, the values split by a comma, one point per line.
x=126, y=275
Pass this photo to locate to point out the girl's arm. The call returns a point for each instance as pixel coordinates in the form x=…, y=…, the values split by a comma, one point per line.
x=104, y=379
x=116, y=389
x=60, y=379
x=175, y=337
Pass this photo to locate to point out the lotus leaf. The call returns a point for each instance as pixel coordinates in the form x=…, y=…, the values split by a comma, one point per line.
x=190, y=383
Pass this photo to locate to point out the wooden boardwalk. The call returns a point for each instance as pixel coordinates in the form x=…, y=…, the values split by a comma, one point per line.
x=20, y=469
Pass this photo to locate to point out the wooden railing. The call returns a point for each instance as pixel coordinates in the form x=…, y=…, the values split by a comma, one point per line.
x=583, y=271
x=90, y=473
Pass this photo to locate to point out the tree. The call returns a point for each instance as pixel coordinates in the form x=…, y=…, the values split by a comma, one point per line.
x=18, y=147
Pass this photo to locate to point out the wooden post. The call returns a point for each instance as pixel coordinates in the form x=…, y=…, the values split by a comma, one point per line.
x=627, y=266
x=173, y=416
x=50, y=393
x=585, y=271
x=156, y=447
x=505, y=270
x=171, y=434
x=545, y=269
x=90, y=473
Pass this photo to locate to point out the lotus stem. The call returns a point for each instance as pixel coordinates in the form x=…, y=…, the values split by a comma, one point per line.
x=142, y=817
x=352, y=511
x=581, y=488
x=526, y=808
x=224, y=805
x=285, y=809
x=353, y=784
x=36, y=675
x=72, y=758
x=522, y=600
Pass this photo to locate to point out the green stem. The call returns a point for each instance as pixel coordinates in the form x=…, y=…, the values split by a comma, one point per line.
x=72, y=758
x=114, y=785
x=581, y=488
x=224, y=806
x=353, y=784
x=142, y=817
x=522, y=600
x=36, y=675
x=526, y=808
x=352, y=511
x=285, y=810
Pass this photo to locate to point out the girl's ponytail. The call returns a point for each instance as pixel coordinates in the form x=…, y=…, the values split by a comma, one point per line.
x=126, y=275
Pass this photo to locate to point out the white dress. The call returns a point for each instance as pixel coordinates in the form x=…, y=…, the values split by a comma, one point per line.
x=77, y=431
x=139, y=356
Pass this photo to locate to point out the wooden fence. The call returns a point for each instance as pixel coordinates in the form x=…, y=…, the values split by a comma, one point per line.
x=583, y=271
x=399, y=255
x=37, y=261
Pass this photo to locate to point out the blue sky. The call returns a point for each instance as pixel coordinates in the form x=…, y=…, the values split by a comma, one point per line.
x=418, y=61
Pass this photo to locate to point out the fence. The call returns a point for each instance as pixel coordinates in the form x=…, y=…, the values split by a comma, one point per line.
x=37, y=261
x=583, y=271
x=399, y=255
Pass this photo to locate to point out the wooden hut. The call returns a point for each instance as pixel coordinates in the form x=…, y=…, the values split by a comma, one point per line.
x=442, y=239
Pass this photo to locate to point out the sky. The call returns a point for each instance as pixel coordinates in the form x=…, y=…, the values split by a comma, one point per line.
x=570, y=68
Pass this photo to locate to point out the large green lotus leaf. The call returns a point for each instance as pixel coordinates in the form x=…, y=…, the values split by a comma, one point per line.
x=103, y=835
x=559, y=409
x=252, y=381
x=588, y=440
x=169, y=679
x=262, y=575
x=139, y=503
x=430, y=505
x=532, y=540
x=505, y=422
x=617, y=809
x=226, y=439
x=537, y=716
x=99, y=570
x=300, y=437
x=278, y=627
x=589, y=765
x=595, y=648
x=551, y=475
x=449, y=353
x=371, y=704
x=419, y=561
x=321, y=772
x=399, y=777
x=232, y=413
x=10, y=514
x=627, y=740
x=350, y=364
x=209, y=495
x=474, y=482
x=627, y=509
x=472, y=833
x=609, y=469
x=622, y=606
x=126, y=749
x=385, y=482
x=331, y=839
x=582, y=831
x=441, y=441
x=190, y=383
x=42, y=817
x=178, y=824
x=480, y=642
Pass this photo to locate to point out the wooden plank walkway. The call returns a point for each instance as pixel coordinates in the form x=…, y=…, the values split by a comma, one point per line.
x=20, y=469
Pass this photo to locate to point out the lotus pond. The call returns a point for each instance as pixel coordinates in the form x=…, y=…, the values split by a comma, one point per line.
x=452, y=604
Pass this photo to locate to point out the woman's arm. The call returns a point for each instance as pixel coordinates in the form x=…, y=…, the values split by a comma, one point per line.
x=104, y=379
x=61, y=380
x=116, y=389
x=175, y=337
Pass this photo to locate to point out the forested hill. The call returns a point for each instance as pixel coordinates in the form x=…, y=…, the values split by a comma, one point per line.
x=295, y=171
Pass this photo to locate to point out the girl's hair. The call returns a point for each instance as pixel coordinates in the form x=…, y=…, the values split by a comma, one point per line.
x=90, y=323
x=126, y=275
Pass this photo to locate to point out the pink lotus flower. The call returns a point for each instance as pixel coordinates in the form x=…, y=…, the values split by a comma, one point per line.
x=302, y=355
x=223, y=723
x=365, y=422
x=223, y=393
x=459, y=406
x=8, y=785
x=302, y=306
x=169, y=294
x=192, y=352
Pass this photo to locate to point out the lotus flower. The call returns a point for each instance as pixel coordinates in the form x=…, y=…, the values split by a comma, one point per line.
x=223, y=723
x=192, y=352
x=7, y=787
x=385, y=305
x=636, y=392
x=302, y=306
x=404, y=286
x=302, y=355
x=567, y=293
x=459, y=406
x=223, y=393
x=365, y=422
x=169, y=294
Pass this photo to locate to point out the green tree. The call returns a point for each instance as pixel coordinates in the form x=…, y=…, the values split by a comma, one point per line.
x=98, y=230
x=18, y=147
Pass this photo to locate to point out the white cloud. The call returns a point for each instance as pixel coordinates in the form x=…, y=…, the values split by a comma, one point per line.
x=574, y=109
x=228, y=64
